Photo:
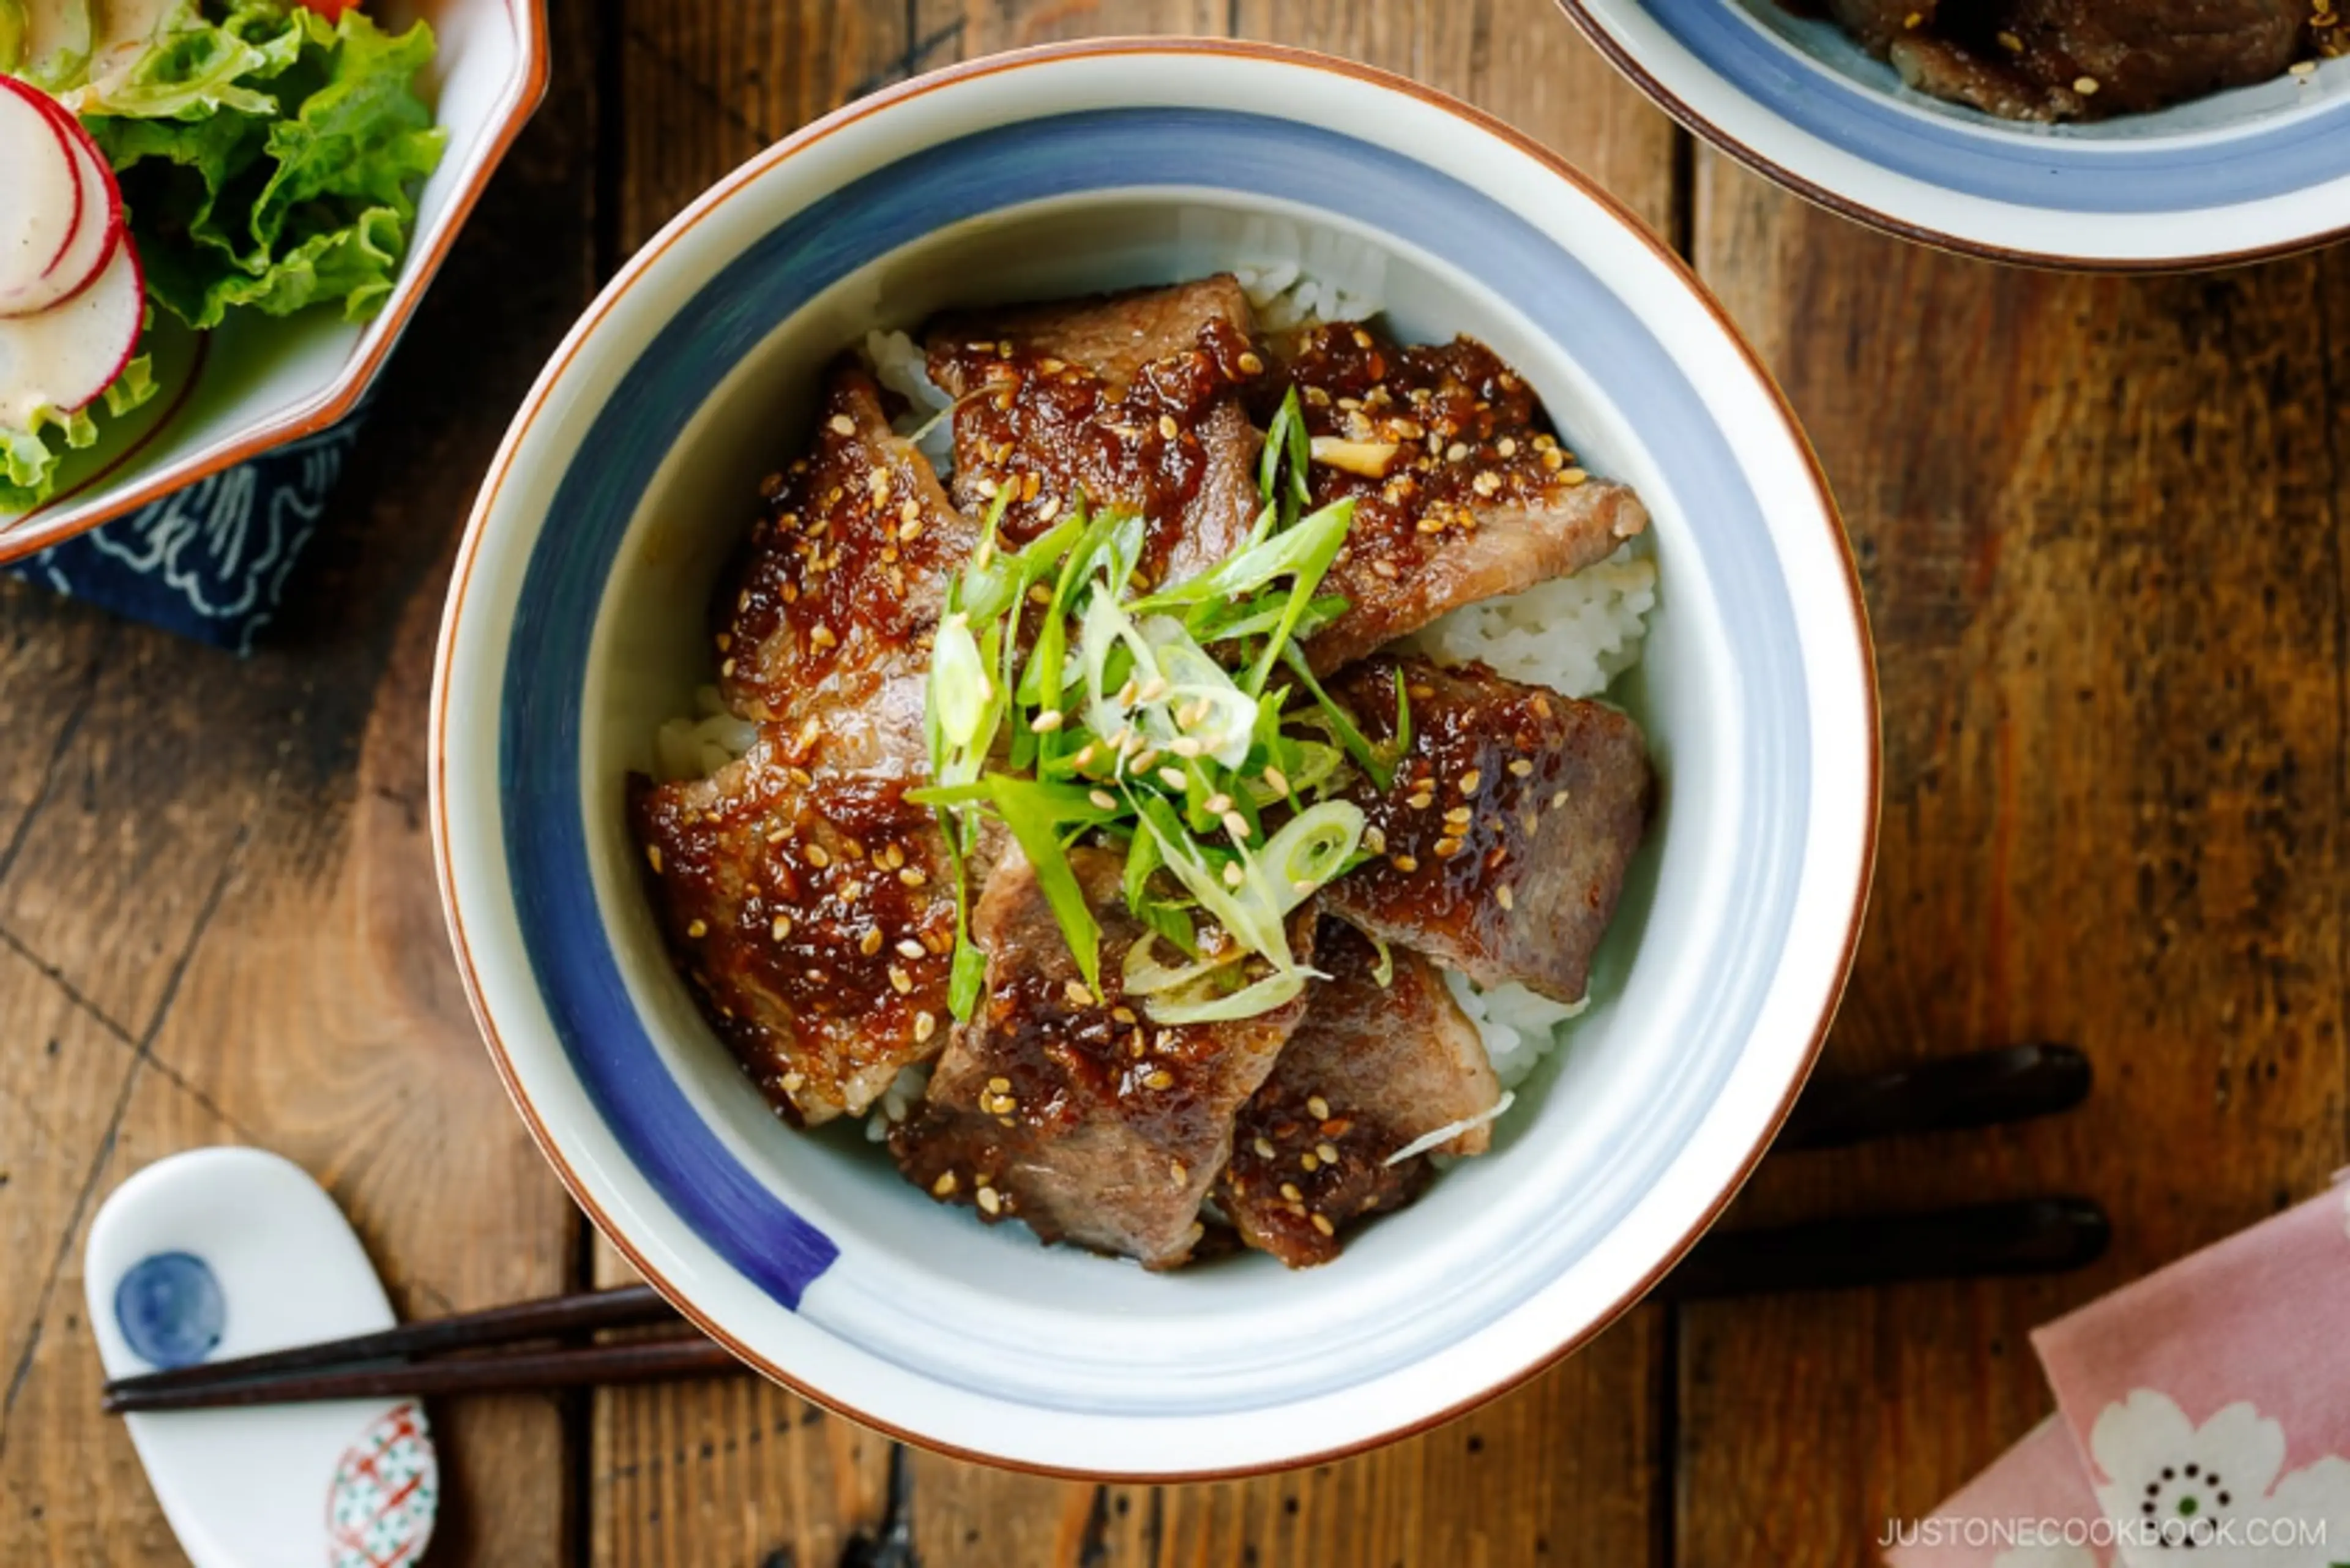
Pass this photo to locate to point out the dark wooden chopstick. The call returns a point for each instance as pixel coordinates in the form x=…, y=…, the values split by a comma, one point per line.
x=630, y=1306
x=1979, y=1089
x=2033, y=1235
x=631, y=1360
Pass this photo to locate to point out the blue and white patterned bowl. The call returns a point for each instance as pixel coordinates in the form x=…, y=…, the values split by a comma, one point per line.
x=2242, y=175
x=575, y=627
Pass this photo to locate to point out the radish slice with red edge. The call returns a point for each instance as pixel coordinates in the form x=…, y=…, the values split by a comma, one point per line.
x=43, y=196
x=92, y=246
x=69, y=354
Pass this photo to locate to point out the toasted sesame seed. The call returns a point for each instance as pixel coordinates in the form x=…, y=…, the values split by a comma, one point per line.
x=2011, y=43
x=870, y=942
x=900, y=982
x=1173, y=778
x=1077, y=994
x=1456, y=452
x=1001, y=1086
x=1102, y=799
x=842, y=425
x=1143, y=761
x=1152, y=690
x=654, y=857
x=780, y=928
x=1159, y=1078
x=697, y=930
x=1328, y=1152
x=792, y=1082
x=1275, y=780
x=1420, y=802
x=925, y=1025
x=1121, y=1014
x=989, y=1200
x=1186, y=746
x=908, y=948
x=944, y=1185
x=1040, y=595
x=1046, y=721
x=1319, y=1109
x=1250, y=364
x=1459, y=815
x=1322, y=1223
x=1505, y=897
x=1405, y=863
x=1309, y=1162
x=1264, y=1149
x=1375, y=839
x=1289, y=1191
x=1217, y=803
x=1520, y=767
x=1232, y=874
x=1505, y=447
x=819, y=856
x=1573, y=476
x=822, y=637
x=1558, y=800
x=1446, y=849
x=913, y=876
x=1486, y=483
x=2086, y=86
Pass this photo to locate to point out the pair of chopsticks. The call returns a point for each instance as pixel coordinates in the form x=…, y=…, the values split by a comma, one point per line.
x=548, y=1343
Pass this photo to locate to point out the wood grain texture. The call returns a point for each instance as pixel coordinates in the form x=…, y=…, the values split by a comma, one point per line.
x=2098, y=527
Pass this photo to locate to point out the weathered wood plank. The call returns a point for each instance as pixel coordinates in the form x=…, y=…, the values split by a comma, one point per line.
x=2098, y=529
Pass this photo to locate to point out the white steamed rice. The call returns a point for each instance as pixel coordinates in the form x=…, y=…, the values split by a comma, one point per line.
x=1574, y=635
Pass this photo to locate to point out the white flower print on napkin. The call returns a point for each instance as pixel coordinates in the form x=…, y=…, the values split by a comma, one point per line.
x=2214, y=1490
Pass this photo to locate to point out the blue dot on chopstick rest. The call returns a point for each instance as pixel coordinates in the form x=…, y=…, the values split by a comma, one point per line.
x=170, y=1309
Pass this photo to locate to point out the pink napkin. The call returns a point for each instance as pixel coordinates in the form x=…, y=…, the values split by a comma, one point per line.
x=2202, y=1418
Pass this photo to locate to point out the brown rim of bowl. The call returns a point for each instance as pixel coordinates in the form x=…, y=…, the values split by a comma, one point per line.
x=28, y=534
x=1819, y=195
x=849, y=114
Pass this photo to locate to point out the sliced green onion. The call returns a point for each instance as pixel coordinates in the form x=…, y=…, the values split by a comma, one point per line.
x=1287, y=553
x=1341, y=722
x=959, y=683
x=1145, y=976
x=1035, y=824
x=1272, y=991
x=1310, y=849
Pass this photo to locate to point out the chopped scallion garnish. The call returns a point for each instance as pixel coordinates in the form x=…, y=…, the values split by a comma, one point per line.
x=1145, y=719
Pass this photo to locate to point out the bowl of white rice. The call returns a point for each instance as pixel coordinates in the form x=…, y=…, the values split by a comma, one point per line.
x=575, y=652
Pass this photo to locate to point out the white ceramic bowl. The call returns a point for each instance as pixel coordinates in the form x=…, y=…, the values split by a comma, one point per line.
x=2228, y=177
x=258, y=381
x=576, y=625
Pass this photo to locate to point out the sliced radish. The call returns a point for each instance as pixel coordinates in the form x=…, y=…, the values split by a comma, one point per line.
x=42, y=194
x=86, y=256
x=68, y=355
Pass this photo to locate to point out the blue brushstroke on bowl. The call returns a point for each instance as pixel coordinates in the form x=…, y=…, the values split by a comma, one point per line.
x=547, y=835
x=170, y=1309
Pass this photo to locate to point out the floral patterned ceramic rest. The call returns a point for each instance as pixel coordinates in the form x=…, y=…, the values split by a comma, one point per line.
x=224, y=1253
x=2203, y=1418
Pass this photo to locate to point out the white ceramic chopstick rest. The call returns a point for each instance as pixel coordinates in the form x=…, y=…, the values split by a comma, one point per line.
x=223, y=1252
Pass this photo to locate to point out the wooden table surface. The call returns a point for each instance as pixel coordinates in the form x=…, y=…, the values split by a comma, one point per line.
x=2100, y=528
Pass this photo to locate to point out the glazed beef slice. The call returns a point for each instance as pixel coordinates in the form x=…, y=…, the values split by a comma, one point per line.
x=1071, y=1110
x=833, y=600
x=1133, y=399
x=1371, y=1069
x=811, y=907
x=1502, y=842
x=1462, y=490
x=2079, y=59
